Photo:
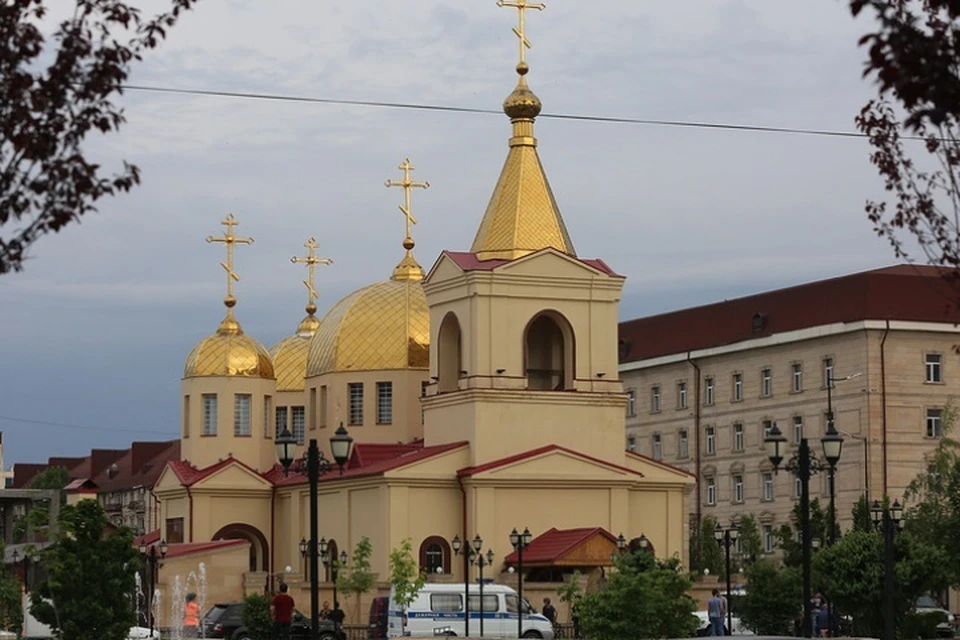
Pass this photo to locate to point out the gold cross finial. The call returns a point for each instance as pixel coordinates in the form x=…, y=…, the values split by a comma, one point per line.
x=311, y=260
x=521, y=6
x=230, y=239
x=407, y=185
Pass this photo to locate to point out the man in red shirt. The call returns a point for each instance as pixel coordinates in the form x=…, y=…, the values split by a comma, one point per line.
x=282, y=611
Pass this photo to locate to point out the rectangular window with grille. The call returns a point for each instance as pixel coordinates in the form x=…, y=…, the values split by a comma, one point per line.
x=934, y=423
x=796, y=370
x=708, y=392
x=241, y=414
x=281, y=420
x=738, y=488
x=767, y=485
x=766, y=382
x=655, y=399
x=267, y=415
x=737, y=436
x=209, y=414
x=298, y=418
x=355, y=402
x=657, y=447
x=322, y=418
x=683, y=446
x=711, y=440
x=797, y=428
x=384, y=402
x=934, y=367
x=711, y=491
x=768, y=539
x=681, y=395
x=737, y=387
x=631, y=402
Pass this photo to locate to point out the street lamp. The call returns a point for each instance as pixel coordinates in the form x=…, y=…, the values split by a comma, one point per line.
x=520, y=542
x=304, y=552
x=315, y=465
x=154, y=562
x=482, y=561
x=803, y=464
x=887, y=521
x=468, y=554
x=727, y=538
x=333, y=564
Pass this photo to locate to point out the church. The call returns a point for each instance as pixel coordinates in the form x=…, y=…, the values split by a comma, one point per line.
x=482, y=395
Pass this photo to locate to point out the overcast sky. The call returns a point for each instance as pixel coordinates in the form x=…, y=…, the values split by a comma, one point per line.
x=95, y=331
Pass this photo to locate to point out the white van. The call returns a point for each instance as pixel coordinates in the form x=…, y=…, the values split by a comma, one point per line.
x=438, y=611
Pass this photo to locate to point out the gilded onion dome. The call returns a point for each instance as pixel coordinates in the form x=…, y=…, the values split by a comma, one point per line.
x=290, y=356
x=229, y=352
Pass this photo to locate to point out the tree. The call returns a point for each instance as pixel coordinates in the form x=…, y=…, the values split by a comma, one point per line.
x=256, y=616
x=643, y=598
x=38, y=517
x=751, y=544
x=11, y=608
x=54, y=93
x=405, y=578
x=358, y=578
x=711, y=556
x=788, y=538
x=861, y=515
x=913, y=55
x=90, y=574
x=773, y=601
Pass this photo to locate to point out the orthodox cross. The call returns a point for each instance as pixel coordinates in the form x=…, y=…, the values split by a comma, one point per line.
x=311, y=260
x=230, y=239
x=521, y=6
x=407, y=185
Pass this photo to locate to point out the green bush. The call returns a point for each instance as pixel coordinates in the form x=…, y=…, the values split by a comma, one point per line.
x=923, y=624
x=256, y=617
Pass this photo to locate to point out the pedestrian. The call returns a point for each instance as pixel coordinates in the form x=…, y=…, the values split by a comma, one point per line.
x=325, y=610
x=191, y=617
x=716, y=611
x=823, y=621
x=337, y=616
x=550, y=612
x=281, y=610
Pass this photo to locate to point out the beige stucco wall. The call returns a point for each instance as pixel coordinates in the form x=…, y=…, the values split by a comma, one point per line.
x=224, y=578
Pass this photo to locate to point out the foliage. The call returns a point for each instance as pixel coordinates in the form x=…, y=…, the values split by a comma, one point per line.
x=711, y=557
x=861, y=515
x=643, y=598
x=11, y=607
x=572, y=591
x=405, y=578
x=773, y=600
x=256, y=616
x=922, y=624
x=55, y=92
x=37, y=517
x=358, y=578
x=88, y=571
x=851, y=571
x=788, y=539
x=913, y=55
x=751, y=544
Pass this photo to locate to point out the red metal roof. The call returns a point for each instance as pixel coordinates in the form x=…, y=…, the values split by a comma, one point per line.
x=189, y=475
x=902, y=292
x=147, y=538
x=470, y=262
x=81, y=485
x=186, y=548
x=367, y=453
x=554, y=544
x=470, y=471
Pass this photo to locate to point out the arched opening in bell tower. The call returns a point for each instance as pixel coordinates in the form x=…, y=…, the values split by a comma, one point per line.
x=548, y=352
x=449, y=354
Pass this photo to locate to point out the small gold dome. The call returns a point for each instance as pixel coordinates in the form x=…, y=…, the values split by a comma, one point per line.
x=380, y=327
x=290, y=355
x=522, y=103
x=229, y=352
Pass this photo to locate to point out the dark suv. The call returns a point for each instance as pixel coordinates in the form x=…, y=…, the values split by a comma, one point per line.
x=225, y=621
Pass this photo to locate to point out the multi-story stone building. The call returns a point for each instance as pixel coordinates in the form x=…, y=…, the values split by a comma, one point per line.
x=706, y=384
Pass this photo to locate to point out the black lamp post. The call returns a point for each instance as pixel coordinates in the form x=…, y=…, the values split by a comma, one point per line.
x=832, y=448
x=520, y=542
x=333, y=564
x=888, y=521
x=803, y=464
x=315, y=465
x=304, y=552
x=727, y=538
x=482, y=561
x=154, y=562
x=468, y=554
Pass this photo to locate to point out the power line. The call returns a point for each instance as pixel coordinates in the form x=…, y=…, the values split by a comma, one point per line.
x=81, y=426
x=555, y=116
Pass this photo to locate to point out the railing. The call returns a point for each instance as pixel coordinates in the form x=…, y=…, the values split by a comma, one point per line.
x=362, y=632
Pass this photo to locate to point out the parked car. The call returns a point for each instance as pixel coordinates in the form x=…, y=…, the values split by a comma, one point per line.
x=225, y=621
x=703, y=629
x=379, y=614
x=926, y=604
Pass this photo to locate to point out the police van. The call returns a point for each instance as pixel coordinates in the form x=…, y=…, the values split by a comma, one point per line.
x=438, y=611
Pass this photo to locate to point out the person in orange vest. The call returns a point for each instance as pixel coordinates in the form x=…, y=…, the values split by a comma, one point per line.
x=191, y=617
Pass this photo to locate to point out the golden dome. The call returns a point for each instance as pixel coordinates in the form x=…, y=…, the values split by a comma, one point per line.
x=229, y=352
x=290, y=355
x=383, y=326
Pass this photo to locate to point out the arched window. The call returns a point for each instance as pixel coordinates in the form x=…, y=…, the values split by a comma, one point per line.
x=334, y=556
x=435, y=554
x=636, y=545
x=548, y=353
x=449, y=354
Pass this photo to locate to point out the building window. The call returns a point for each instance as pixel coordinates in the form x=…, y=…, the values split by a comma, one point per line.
x=683, y=446
x=738, y=488
x=322, y=418
x=737, y=436
x=711, y=440
x=934, y=367
x=655, y=399
x=209, y=414
x=241, y=414
x=281, y=420
x=631, y=443
x=681, y=395
x=186, y=416
x=631, y=403
x=766, y=383
x=657, y=447
x=434, y=555
x=312, y=407
x=298, y=420
x=827, y=372
x=797, y=428
x=355, y=402
x=424, y=385
x=796, y=375
x=767, y=481
x=768, y=538
x=708, y=392
x=384, y=402
x=711, y=491
x=174, y=530
x=767, y=428
x=934, y=423
x=737, y=387
x=267, y=415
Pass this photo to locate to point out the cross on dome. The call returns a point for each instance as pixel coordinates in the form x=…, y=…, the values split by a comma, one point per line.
x=230, y=239
x=408, y=185
x=311, y=260
x=521, y=6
